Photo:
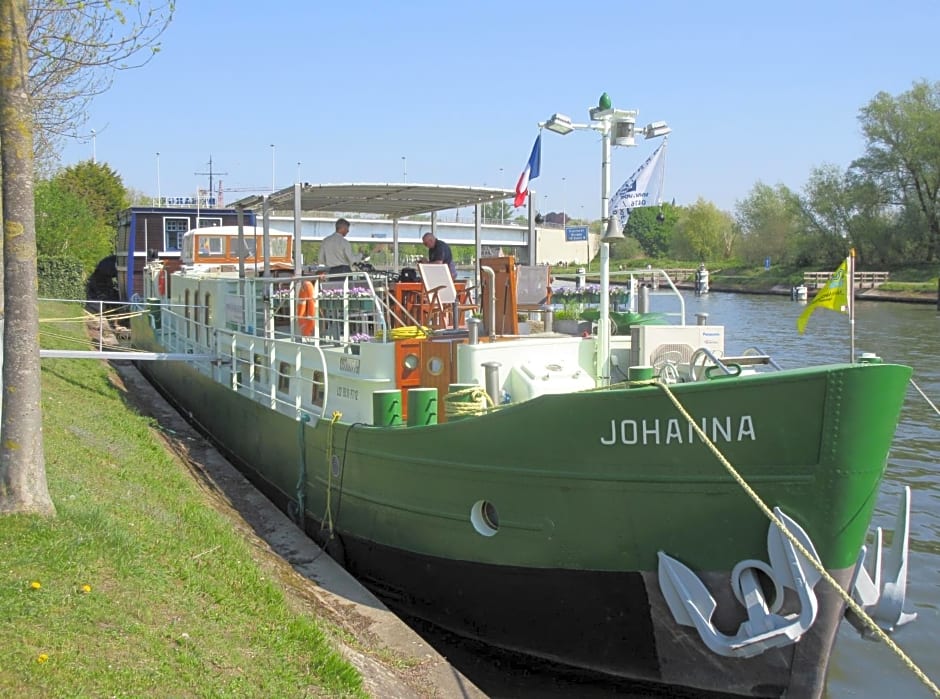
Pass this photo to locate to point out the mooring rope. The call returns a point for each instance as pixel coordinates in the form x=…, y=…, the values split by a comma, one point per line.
x=468, y=401
x=846, y=597
x=924, y=396
x=328, y=514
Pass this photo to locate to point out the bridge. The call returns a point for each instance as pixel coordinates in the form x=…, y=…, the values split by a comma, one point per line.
x=371, y=230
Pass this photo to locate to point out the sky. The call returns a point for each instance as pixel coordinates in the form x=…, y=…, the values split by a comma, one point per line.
x=452, y=93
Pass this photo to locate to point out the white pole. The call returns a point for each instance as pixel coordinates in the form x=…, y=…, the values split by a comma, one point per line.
x=850, y=298
x=159, y=198
x=272, y=168
x=603, y=329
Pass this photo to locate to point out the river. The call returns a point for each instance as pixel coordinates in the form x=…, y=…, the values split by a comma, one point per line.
x=897, y=332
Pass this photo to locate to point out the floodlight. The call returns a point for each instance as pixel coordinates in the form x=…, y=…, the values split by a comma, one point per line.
x=560, y=124
x=656, y=129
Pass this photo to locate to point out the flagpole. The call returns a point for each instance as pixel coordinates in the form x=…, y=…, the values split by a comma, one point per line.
x=851, y=299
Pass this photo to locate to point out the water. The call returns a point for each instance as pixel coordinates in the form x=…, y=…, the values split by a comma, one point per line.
x=902, y=333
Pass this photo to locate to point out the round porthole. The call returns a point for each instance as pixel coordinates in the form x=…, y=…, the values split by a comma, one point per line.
x=435, y=366
x=484, y=518
x=410, y=361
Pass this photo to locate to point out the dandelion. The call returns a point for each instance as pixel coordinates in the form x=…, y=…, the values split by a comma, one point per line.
x=42, y=658
x=35, y=585
x=86, y=588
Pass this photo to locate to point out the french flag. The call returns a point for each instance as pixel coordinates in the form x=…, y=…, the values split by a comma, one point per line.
x=530, y=172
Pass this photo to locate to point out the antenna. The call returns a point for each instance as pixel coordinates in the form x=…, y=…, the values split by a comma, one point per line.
x=210, y=173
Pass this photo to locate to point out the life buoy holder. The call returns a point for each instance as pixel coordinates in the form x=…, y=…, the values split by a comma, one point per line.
x=306, y=309
x=161, y=281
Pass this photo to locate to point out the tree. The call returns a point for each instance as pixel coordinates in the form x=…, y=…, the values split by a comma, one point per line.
x=769, y=222
x=65, y=225
x=653, y=228
x=75, y=47
x=23, y=486
x=903, y=152
x=497, y=212
x=98, y=186
x=704, y=232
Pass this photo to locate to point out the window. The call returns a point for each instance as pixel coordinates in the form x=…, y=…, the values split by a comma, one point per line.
x=173, y=230
x=279, y=245
x=211, y=245
x=316, y=392
x=204, y=222
x=186, y=311
x=196, y=314
x=284, y=372
x=207, y=313
x=259, y=369
x=248, y=248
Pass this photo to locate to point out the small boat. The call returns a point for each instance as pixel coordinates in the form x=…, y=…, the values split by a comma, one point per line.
x=799, y=292
x=549, y=494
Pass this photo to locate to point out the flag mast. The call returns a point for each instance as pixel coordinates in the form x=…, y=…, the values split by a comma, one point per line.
x=850, y=296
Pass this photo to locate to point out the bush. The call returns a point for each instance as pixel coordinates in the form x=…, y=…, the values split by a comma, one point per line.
x=60, y=278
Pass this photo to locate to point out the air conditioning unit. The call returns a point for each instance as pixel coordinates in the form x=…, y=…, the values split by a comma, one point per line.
x=652, y=344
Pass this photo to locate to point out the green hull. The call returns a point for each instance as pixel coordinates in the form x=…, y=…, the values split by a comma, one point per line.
x=584, y=490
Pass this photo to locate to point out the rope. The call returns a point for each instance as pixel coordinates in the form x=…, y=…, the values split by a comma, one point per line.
x=468, y=401
x=846, y=597
x=924, y=396
x=328, y=514
x=301, y=486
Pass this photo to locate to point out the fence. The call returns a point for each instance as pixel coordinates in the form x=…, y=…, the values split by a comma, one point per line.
x=863, y=280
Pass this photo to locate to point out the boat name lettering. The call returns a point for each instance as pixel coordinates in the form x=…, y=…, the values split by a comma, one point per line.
x=347, y=392
x=656, y=432
x=350, y=364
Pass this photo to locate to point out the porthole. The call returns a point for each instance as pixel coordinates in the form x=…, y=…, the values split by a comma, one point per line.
x=484, y=518
x=435, y=366
x=410, y=362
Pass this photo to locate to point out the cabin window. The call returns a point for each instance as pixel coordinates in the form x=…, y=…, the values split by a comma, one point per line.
x=247, y=249
x=316, y=395
x=284, y=373
x=210, y=222
x=186, y=311
x=173, y=230
x=211, y=246
x=279, y=246
x=207, y=313
x=196, y=314
x=242, y=367
x=259, y=366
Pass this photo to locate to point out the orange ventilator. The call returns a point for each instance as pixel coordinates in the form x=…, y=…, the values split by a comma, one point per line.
x=306, y=308
x=161, y=281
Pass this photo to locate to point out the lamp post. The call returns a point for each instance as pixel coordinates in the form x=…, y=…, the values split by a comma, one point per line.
x=298, y=171
x=159, y=198
x=502, y=203
x=272, y=168
x=404, y=168
x=617, y=126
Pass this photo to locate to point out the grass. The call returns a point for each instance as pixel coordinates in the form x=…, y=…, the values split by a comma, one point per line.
x=141, y=587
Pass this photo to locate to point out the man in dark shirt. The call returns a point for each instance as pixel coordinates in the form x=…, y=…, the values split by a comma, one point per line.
x=439, y=251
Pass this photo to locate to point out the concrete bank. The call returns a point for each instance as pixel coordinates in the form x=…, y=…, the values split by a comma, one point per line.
x=393, y=660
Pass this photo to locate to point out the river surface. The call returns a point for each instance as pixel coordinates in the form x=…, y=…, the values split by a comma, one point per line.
x=897, y=332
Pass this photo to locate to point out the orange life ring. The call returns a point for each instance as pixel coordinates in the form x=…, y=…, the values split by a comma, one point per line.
x=161, y=282
x=306, y=308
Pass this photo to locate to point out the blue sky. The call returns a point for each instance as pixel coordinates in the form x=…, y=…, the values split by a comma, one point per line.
x=754, y=91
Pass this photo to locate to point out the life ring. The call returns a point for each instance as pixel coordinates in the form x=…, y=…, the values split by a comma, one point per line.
x=306, y=308
x=161, y=281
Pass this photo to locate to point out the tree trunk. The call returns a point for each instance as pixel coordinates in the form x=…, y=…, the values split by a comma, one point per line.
x=23, y=486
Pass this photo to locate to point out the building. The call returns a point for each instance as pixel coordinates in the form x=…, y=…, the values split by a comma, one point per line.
x=148, y=231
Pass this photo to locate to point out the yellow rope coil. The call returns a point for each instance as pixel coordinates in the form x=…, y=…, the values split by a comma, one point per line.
x=468, y=401
x=846, y=597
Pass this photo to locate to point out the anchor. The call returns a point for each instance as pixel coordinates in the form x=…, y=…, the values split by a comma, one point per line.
x=691, y=603
x=882, y=594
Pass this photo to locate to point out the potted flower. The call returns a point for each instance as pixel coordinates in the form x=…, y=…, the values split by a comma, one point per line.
x=356, y=339
x=568, y=321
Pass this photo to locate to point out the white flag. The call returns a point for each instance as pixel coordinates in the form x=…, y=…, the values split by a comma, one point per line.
x=642, y=188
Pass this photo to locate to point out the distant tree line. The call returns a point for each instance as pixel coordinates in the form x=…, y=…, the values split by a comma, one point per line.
x=885, y=204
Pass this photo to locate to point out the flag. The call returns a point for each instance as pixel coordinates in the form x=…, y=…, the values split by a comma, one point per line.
x=530, y=172
x=833, y=296
x=643, y=188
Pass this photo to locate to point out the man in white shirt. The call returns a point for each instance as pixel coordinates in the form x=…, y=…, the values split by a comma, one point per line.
x=336, y=252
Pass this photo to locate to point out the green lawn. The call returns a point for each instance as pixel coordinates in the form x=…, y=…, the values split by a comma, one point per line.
x=138, y=587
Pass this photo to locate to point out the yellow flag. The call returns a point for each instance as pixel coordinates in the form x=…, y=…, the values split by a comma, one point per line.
x=833, y=296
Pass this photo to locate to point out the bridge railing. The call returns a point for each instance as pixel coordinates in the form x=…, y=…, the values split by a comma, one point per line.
x=863, y=280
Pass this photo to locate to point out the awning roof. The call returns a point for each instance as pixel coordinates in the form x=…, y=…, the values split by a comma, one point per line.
x=392, y=200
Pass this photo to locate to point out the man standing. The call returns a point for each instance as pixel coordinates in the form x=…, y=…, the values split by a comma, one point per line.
x=439, y=251
x=336, y=252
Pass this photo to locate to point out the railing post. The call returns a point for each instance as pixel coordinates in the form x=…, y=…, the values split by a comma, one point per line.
x=100, y=325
